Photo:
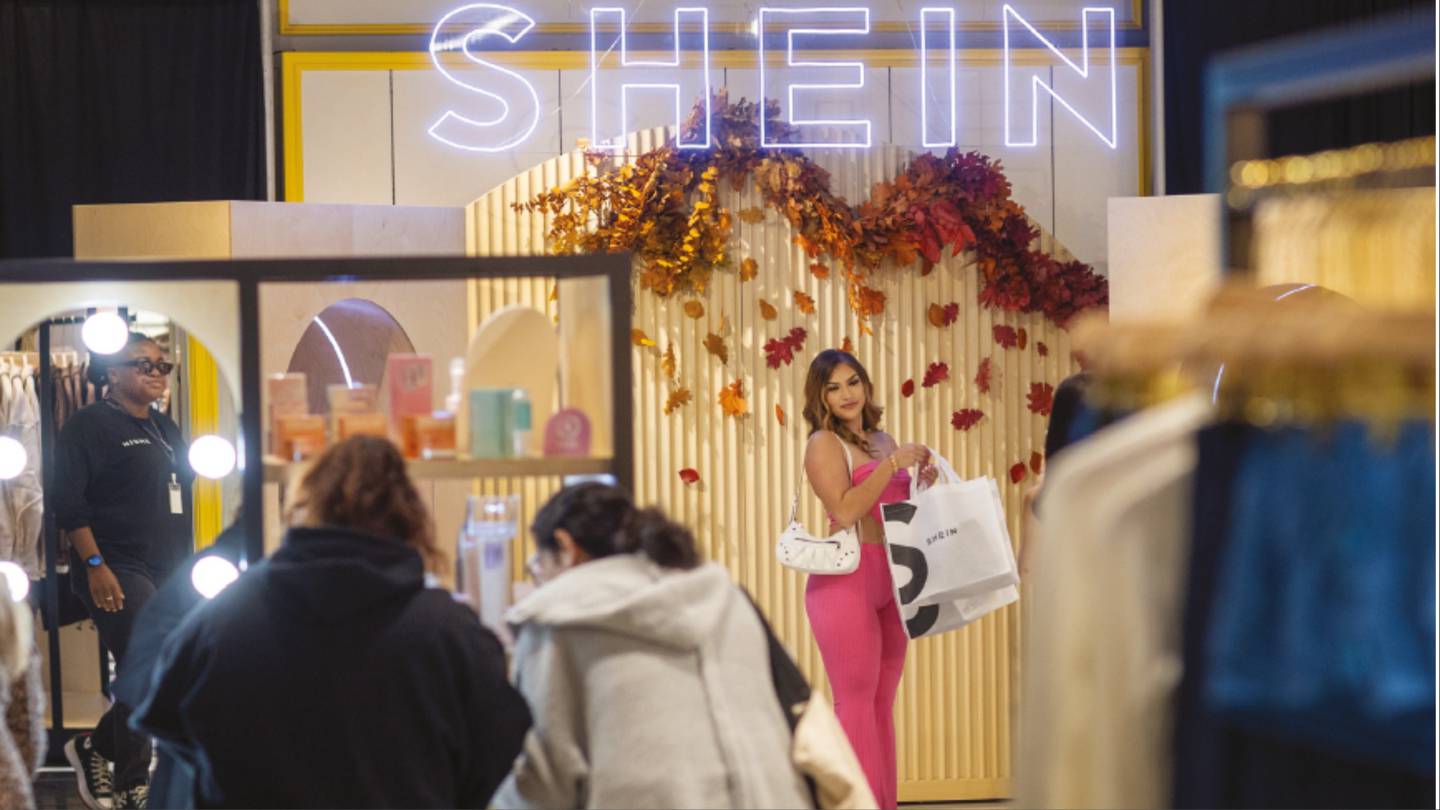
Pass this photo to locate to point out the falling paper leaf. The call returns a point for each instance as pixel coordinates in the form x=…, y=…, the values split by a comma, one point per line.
x=752, y=215
x=749, y=268
x=982, y=377
x=677, y=400
x=695, y=309
x=766, y=311
x=1041, y=398
x=1017, y=473
x=943, y=316
x=935, y=374
x=732, y=399
x=1021, y=338
x=804, y=303
x=1037, y=463
x=554, y=292
x=907, y=388
x=1041, y=349
x=639, y=338
x=667, y=361
x=1005, y=335
x=780, y=415
x=952, y=312
x=819, y=270
x=846, y=346
x=966, y=418
x=716, y=346
x=782, y=350
x=689, y=475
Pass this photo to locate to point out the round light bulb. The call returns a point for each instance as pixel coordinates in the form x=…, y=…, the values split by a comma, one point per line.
x=212, y=456
x=15, y=580
x=105, y=333
x=212, y=574
x=12, y=458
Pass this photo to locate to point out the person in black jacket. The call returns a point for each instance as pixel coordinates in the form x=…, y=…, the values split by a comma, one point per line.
x=123, y=493
x=329, y=675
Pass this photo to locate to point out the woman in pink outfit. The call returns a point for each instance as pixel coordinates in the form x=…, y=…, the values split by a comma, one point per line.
x=854, y=616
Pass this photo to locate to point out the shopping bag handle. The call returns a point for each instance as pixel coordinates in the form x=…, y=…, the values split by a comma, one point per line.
x=951, y=477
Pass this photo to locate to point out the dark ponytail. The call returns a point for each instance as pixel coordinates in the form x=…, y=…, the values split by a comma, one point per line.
x=604, y=522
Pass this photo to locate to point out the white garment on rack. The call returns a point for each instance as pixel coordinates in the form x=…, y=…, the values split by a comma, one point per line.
x=1102, y=639
x=24, y=499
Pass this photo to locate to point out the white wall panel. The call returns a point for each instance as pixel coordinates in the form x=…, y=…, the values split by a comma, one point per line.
x=428, y=172
x=346, y=119
x=1087, y=172
x=870, y=102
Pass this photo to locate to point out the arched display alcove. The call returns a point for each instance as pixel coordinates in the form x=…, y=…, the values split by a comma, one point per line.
x=346, y=344
x=953, y=713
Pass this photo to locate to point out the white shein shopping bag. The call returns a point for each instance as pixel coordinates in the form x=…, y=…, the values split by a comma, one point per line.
x=952, y=537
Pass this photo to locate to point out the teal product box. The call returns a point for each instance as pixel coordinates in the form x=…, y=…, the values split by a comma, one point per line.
x=490, y=432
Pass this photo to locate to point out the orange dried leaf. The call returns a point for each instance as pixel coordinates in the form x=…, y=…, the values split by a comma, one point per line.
x=936, y=314
x=749, y=268
x=716, y=346
x=846, y=346
x=639, y=338
x=667, y=361
x=554, y=292
x=780, y=415
x=752, y=215
x=677, y=400
x=819, y=270
x=694, y=309
x=804, y=303
x=766, y=311
x=732, y=399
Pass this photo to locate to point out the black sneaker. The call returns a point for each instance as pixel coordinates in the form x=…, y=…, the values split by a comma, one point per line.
x=134, y=798
x=92, y=773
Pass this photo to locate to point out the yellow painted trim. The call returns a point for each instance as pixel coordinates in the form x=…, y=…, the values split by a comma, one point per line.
x=1144, y=129
x=292, y=137
x=288, y=28
x=204, y=387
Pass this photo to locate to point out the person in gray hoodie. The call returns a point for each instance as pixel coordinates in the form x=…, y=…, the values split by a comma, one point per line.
x=647, y=672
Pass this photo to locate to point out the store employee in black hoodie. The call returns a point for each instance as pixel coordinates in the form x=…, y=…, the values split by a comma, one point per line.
x=330, y=675
x=123, y=493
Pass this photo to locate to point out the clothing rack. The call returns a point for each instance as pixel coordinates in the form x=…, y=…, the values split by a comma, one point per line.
x=50, y=606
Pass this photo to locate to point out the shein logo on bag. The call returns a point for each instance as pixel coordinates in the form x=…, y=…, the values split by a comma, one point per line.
x=941, y=535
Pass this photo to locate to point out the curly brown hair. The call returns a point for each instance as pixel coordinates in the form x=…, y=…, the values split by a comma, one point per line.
x=817, y=413
x=361, y=484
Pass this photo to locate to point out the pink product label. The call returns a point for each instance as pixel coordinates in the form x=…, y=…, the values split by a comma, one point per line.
x=410, y=383
x=568, y=434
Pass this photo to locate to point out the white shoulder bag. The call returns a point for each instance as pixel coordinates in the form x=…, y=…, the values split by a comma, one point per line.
x=798, y=549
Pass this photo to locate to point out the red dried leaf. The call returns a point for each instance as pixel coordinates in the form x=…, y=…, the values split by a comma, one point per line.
x=1041, y=349
x=966, y=418
x=690, y=476
x=1005, y=335
x=907, y=388
x=951, y=313
x=846, y=346
x=1021, y=338
x=1037, y=462
x=936, y=373
x=782, y=350
x=1018, y=472
x=983, y=376
x=819, y=270
x=1041, y=398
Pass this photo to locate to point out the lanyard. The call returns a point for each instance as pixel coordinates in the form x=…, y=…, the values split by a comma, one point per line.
x=150, y=428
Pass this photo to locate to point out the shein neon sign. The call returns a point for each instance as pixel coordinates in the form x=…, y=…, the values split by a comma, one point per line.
x=805, y=29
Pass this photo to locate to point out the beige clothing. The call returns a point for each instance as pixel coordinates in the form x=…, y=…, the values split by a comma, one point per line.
x=649, y=688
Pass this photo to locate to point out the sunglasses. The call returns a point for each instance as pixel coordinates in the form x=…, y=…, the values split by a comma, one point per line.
x=148, y=367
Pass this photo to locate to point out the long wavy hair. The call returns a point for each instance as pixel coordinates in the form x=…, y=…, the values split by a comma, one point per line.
x=817, y=412
x=361, y=484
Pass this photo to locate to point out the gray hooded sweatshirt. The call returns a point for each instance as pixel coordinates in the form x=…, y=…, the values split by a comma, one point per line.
x=650, y=687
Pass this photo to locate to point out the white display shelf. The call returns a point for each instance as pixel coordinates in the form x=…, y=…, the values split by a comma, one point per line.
x=279, y=471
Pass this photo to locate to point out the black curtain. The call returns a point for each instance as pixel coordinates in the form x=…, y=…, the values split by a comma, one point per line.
x=1198, y=30
x=107, y=101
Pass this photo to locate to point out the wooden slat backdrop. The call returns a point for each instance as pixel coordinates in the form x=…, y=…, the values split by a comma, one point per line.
x=955, y=704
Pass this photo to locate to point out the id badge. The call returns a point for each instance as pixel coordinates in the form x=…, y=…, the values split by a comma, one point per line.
x=176, y=507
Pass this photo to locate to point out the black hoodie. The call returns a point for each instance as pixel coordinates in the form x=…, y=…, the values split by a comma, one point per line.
x=330, y=676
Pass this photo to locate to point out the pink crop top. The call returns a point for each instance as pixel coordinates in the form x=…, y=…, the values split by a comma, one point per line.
x=898, y=488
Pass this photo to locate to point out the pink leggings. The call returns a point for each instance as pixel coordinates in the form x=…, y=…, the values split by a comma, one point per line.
x=863, y=645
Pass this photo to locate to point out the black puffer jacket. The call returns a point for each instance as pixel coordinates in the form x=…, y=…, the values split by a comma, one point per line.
x=330, y=676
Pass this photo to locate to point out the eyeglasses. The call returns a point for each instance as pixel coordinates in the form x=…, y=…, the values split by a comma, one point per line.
x=148, y=367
